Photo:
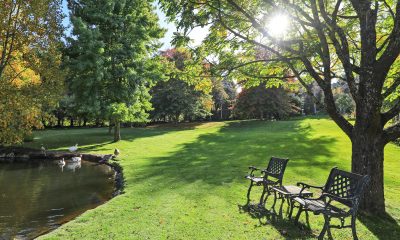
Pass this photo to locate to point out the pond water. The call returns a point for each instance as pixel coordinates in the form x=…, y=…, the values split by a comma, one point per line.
x=36, y=198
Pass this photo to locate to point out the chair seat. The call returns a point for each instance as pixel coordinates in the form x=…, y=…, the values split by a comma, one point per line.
x=317, y=206
x=260, y=180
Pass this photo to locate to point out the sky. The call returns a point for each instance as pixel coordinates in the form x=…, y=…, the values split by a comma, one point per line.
x=196, y=34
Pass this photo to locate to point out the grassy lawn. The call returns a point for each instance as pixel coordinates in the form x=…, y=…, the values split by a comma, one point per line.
x=187, y=182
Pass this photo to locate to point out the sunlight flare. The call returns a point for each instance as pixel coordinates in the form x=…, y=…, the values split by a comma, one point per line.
x=278, y=25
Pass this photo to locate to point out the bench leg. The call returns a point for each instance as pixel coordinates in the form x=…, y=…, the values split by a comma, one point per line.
x=291, y=206
x=296, y=220
x=265, y=189
x=353, y=227
x=248, y=192
x=325, y=228
x=308, y=220
x=273, y=205
x=266, y=197
x=288, y=206
x=281, y=207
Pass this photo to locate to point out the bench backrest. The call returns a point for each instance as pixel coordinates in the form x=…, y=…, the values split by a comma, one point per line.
x=276, y=168
x=346, y=185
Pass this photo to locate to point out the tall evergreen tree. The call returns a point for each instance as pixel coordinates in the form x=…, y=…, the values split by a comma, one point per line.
x=109, y=58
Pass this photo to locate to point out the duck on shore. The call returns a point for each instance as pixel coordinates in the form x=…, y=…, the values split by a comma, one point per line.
x=73, y=148
x=116, y=152
x=43, y=149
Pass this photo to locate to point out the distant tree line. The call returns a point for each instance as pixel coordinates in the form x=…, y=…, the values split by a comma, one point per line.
x=175, y=99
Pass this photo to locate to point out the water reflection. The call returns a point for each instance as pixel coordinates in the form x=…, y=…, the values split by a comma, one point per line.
x=35, y=198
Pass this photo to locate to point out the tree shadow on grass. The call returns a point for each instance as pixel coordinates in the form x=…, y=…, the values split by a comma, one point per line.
x=383, y=227
x=223, y=157
x=285, y=227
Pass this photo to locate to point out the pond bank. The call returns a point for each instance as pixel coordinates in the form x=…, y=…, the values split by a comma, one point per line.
x=19, y=155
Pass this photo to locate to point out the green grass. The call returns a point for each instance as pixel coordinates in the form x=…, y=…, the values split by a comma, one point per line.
x=187, y=182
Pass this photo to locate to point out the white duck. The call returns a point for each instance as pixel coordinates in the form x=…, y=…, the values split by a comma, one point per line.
x=61, y=162
x=73, y=166
x=77, y=159
x=43, y=149
x=73, y=148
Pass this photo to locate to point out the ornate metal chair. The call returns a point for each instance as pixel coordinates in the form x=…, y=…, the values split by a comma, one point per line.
x=272, y=176
x=339, y=199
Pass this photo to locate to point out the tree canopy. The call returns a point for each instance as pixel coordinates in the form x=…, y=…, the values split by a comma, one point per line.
x=30, y=58
x=179, y=97
x=355, y=41
x=264, y=103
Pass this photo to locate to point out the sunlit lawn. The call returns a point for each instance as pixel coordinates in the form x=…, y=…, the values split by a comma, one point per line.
x=187, y=182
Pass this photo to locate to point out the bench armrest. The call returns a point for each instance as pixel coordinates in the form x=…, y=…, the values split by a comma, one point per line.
x=252, y=169
x=265, y=171
x=305, y=185
x=336, y=198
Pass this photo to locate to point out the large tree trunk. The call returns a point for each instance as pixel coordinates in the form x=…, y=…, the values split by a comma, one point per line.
x=368, y=151
x=367, y=159
x=117, y=131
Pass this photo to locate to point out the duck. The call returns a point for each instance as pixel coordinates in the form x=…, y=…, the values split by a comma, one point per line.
x=73, y=148
x=77, y=159
x=116, y=152
x=61, y=162
x=73, y=166
x=43, y=149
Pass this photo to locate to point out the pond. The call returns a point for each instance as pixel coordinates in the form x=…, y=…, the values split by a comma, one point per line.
x=36, y=198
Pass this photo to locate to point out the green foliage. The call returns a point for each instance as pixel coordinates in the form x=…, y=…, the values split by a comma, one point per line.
x=261, y=102
x=322, y=44
x=180, y=97
x=118, y=112
x=224, y=95
x=345, y=104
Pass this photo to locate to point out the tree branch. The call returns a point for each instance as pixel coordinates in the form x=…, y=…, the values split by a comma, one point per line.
x=342, y=47
x=392, y=88
x=252, y=62
x=325, y=84
x=392, y=133
x=392, y=50
x=394, y=111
